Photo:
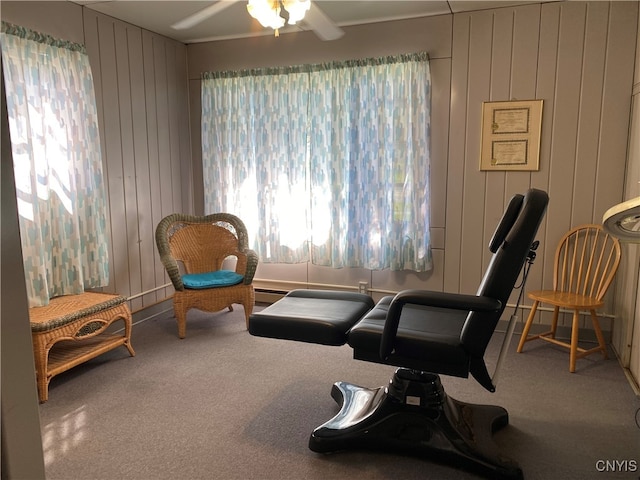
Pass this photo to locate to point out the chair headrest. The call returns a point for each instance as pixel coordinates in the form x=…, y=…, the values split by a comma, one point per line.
x=506, y=222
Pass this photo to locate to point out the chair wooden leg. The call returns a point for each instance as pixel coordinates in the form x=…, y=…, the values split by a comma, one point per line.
x=250, y=301
x=598, y=330
x=42, y=356
x=527, y=326
x=248, y=309
x=554, y=321
x=574, y=341
x=181, y=317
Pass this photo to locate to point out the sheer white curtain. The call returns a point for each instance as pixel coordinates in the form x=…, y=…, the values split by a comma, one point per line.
x=254, y=148
x=370, y=124
x=341, y=151
x=57, y=164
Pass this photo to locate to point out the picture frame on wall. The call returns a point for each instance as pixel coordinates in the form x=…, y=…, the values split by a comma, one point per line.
x=511, y=135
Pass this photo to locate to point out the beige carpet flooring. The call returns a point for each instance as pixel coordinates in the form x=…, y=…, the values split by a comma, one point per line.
x=222, y=404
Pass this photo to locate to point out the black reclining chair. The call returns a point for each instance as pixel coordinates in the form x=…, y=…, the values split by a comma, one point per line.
x=424, y=333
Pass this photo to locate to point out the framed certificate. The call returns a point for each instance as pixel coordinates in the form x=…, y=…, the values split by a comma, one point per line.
x=511, y=135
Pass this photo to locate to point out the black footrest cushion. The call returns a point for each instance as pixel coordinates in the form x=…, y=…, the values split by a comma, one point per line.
x=313, y=316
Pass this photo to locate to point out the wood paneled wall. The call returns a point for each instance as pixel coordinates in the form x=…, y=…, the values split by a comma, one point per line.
x=143, y=106
x=626, y=334
x=141, y=85
x=578, y=57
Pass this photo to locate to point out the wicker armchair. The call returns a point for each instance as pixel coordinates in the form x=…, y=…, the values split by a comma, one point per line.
x=193, y=249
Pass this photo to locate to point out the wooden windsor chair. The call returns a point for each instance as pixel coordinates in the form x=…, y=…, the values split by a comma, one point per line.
x=586, y=261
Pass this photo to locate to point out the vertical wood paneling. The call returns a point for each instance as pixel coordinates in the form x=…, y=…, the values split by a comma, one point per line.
x=141, y=87
x=130, y=223
x=595, y=44
x=566, y=114
x=626, y=334
x=440, y=94
x=566, y=55
x=112, y=156
x=146, y=227
x=457, y=132
x=174, y=127
x=152, y=145
x=526, y=43
x=587, y=115
x=524, y=69
x=473, y=202
x=514, y=63
x=616, y=107
x=501, y=64
x=168, y=81
x=524, y=54
x=195, y=112
x=164, y=144
x=559, y=53
x=546, y=90
x=183, y=129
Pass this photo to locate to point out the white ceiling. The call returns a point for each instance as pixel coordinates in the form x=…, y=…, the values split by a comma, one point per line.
x=234, y=21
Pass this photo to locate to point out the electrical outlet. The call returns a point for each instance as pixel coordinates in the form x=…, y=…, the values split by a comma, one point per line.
x=363, y=287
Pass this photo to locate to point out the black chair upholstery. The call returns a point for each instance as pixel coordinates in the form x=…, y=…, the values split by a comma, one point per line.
x=445, y=332
x=426, y=334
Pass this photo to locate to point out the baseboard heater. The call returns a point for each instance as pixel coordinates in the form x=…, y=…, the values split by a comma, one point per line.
x=268, y=296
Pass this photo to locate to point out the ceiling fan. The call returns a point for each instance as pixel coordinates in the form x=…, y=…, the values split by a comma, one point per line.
x=315, y=19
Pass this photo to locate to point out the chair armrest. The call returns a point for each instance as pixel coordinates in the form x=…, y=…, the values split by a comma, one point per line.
x=246, y=265
x=171, y=266
x=252, y=265
x=427, y=298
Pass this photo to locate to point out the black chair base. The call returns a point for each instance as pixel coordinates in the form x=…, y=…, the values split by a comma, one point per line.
x=414, y=415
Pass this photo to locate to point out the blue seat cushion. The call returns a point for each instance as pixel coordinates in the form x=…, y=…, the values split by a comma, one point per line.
x=219, y=278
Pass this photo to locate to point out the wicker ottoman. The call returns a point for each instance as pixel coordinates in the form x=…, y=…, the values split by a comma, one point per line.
x=71, y=330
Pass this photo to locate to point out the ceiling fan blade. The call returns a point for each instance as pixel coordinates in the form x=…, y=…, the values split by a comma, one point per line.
x=203, y=14
x=322, y=25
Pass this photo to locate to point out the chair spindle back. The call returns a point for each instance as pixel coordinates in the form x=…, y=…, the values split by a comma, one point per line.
x=586, y=261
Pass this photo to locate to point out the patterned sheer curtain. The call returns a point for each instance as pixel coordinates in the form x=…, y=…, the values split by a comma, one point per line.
x=254, y=149
x=370, y=124
x=355, y=133
x=57, y=160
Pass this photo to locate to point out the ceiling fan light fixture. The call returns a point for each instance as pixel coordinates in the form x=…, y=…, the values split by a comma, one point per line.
x=297, y=9
x=267, y=12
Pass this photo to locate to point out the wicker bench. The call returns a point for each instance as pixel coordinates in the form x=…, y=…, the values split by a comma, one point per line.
x=71, y=330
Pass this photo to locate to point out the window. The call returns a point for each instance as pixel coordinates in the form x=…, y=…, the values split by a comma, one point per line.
x=325, y=163
x=57, y=163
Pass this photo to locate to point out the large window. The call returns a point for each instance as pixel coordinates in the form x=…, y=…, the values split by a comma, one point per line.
x=325, y=163
x=57, y=163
